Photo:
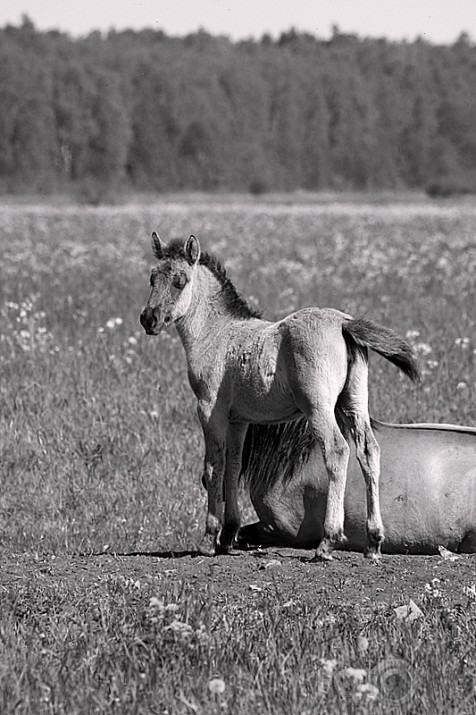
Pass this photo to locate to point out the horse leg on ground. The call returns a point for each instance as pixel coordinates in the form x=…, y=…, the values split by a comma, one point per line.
x=214, y=432
x=354, y=401
x=335, y=451
x=234, y=447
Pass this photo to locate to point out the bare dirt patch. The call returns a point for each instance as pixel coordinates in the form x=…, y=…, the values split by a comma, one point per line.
x=287, y=572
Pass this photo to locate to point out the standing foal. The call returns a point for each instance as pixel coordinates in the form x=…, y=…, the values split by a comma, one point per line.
x=244, y=369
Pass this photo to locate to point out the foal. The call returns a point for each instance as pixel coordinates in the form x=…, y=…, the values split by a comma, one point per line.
x=244, y=369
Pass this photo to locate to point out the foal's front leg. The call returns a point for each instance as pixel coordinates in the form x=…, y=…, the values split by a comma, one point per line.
x=214, y=432
x=234, y=448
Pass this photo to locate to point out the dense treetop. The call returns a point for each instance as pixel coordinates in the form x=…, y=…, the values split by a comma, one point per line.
x=202, y=112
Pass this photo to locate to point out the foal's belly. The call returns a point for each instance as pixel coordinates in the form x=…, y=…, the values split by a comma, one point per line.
x=261, y=415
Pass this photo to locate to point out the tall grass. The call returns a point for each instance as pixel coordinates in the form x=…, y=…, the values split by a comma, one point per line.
x=101, y=449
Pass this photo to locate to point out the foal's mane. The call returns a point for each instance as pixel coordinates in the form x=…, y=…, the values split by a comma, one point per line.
x=236, y=305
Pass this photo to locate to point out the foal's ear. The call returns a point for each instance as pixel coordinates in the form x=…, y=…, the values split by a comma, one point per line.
x=158, y=246
x=192, y=250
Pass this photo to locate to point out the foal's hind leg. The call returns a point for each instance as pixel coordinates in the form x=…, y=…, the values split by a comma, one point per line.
x=368, y=456
x=354, y=401
x=335, y=451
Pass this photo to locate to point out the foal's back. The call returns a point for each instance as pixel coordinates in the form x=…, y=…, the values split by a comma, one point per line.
x=272, y=367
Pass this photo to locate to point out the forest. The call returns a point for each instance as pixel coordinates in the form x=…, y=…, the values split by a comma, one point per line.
x=151, y=112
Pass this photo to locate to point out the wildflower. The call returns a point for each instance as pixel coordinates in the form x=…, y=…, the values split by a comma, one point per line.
x=132, y=340
x=366, y=691
x=362, y=645
x=443, y=262
x=470, y=591
x=216, y=686
x=181, y=629
x=201, y=634
x=463, y=342
x=423, y=348
x=461, y=386
x=432, y=364
x=432, y=589
x=112, y=322
x=326, y=675
x=412, y=334
x=328, y=665
x=358, y=675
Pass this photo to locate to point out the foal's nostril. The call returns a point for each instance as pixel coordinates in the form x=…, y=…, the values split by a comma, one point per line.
x=147, y=319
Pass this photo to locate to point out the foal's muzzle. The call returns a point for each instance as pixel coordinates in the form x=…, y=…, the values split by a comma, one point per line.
x=151, y=323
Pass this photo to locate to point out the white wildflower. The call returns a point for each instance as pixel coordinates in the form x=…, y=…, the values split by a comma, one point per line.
x=184, y=630
x=423, y=348
x=358, y=675
x=470, y=591
x=113, y=322
x=216, y=686
x=362, y=645
x=366, y=691
x=328, y=665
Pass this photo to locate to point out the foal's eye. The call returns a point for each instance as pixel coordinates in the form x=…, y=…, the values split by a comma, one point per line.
x=179, y=280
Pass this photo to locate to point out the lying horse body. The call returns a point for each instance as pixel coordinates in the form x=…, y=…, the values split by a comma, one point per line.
x=427, y=488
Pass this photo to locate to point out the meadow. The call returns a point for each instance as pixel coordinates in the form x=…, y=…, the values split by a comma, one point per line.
x=100, y=463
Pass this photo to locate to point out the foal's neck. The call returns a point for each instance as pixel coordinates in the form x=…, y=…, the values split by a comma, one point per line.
x=207, y=317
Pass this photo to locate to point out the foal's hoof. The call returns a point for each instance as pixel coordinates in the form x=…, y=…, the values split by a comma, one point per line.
x=321, y=556
x=208, y=546
x=226, y=541
x=227, y=550
x=372, y=550
x=372, y=553
x=327, y=547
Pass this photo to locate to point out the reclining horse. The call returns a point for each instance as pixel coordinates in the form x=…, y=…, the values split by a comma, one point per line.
x=244, y=369
x=427, y=488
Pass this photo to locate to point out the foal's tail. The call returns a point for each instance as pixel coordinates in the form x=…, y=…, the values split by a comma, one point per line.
x=366, y=333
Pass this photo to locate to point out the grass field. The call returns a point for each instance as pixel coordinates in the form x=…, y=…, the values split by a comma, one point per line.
x=101, y=451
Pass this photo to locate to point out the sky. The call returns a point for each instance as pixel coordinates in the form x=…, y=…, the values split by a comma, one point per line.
x=437, y=21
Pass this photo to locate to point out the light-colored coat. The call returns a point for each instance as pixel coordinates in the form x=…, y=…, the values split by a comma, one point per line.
x=244, y=369
x=427, y=489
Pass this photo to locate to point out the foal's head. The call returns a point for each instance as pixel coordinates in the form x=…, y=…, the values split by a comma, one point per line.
x=171, y=283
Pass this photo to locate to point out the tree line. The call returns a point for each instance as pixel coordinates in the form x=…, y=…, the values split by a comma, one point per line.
x=153, y=112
